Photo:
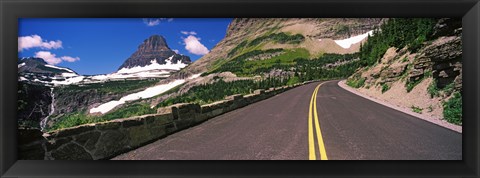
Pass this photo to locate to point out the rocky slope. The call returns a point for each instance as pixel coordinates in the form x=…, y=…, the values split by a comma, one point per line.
x=319, y=35
x=422, y=81
x=271, y=39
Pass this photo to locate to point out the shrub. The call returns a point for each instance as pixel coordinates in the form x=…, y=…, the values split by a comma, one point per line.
x=417, y=43
x=411, y=85
x=208, y=93
x=428, y=73
x=237, y=48
x=79, y=118
x=432, y=89
x=405, y=72
x=356, y=82
x=385, y=87
x=293, y=80
x=341, y=29
x=430, y=108
x=417, y=109
x=282, y=38
x=70, y=120
x=449, y=89
x=112, y=87
x=452, y=109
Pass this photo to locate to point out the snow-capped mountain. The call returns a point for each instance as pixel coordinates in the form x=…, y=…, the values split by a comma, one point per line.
x=153, y=59
x=154, y=54
x=38, y=71
x=39, y=66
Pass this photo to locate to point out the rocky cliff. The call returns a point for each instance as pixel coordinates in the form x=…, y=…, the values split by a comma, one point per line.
x=422, y=81
x=33, y=104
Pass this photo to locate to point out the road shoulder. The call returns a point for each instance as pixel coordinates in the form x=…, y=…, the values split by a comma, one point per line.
x=434, y=120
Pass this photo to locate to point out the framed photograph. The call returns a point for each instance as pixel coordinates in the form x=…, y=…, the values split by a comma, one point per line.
x=239, y=88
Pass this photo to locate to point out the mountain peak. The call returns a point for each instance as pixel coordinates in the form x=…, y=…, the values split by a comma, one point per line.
x=155, y=37
x=154, y=42
x=39, y=66
x=31, y=59
x=153, y=48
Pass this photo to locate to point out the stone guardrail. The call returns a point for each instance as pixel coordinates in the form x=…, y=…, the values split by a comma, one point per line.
x=105, y=140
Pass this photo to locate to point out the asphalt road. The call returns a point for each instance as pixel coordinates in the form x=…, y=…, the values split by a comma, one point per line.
x=284, y=127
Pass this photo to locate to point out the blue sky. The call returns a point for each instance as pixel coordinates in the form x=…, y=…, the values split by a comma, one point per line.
x=98, y=46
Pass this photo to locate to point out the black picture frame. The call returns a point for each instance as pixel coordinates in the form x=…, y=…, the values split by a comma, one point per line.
x=10, y=11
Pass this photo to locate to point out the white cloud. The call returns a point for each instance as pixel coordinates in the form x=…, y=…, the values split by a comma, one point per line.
x=52, y=59
x=193, y=45
x=176, y=51
x=155, y=21
x=35, y=41
x=69, y=59
x=48, y=57
x=188, y=32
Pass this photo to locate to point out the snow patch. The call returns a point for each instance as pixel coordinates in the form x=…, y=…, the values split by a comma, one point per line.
x=154, y=65
x=21, y=65
x=347, y=43
x=145, y=74
x=154, y=70
x=69, y=81
x=69, y=75
x=147, y=93
x=195, y=76
x=61, y=68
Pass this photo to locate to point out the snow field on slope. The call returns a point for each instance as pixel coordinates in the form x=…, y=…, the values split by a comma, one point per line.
x=346, y=43
x=61, y=68
x=154, y=65
x=21, y=65
x=147, y=93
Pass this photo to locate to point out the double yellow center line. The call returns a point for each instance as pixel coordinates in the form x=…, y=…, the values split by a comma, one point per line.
x=311, y=141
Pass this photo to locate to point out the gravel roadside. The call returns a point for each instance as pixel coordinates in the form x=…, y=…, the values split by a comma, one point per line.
x=437, y=121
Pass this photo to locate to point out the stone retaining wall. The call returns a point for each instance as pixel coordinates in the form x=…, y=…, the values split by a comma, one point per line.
x=107, y=139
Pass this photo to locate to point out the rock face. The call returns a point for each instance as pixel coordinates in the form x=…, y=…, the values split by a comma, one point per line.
x=153, y=48
x=33, y=104
x=71, y=101
x=335, y=28
x=443, y=56
x=440, y=59
x=447, y=27
x=421, y=81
